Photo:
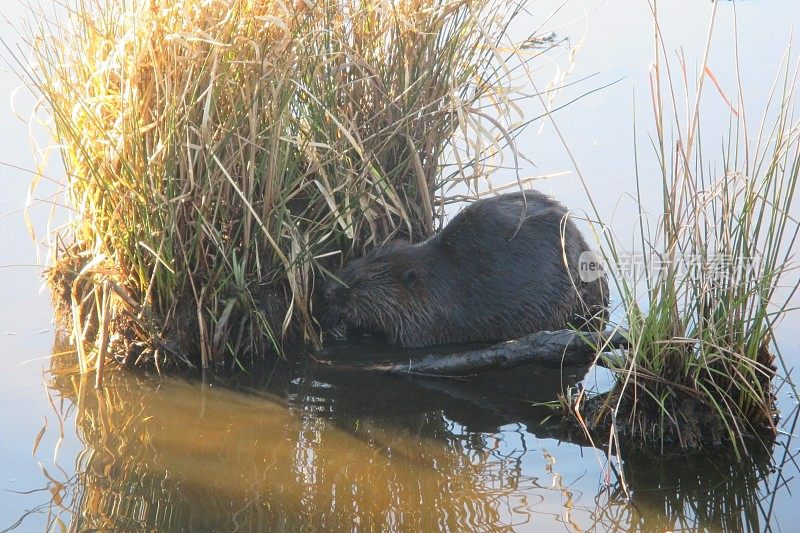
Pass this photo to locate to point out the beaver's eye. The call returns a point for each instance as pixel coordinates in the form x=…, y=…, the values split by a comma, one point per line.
x=409, y=277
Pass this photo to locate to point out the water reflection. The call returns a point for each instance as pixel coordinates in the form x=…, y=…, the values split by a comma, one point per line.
x=306, y=446
x=680, y=493
x=303, y=446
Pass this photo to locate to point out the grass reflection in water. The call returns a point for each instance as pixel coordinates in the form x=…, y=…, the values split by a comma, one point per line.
x=301, y=447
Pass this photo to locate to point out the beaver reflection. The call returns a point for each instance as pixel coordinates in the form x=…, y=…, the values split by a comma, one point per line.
x=492, y=274
x=298, y=446
x=303, y=447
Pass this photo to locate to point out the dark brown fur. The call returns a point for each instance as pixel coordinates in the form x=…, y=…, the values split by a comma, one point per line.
x=490, y=275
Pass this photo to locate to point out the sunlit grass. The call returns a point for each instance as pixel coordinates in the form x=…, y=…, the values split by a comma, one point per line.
x=221, y=154
x=700, y=318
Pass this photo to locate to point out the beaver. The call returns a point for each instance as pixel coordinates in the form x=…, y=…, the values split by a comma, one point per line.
x=504, y=267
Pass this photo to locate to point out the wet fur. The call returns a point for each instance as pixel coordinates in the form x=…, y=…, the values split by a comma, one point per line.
x=488, y=276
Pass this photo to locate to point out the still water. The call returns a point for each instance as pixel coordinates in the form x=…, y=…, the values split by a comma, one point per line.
x=296, y=447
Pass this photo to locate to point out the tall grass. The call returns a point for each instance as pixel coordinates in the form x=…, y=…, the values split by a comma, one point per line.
x=220, y=155
x=700, y=317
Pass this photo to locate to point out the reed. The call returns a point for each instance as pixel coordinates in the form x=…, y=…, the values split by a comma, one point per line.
x=221, y=154
x=712, y=281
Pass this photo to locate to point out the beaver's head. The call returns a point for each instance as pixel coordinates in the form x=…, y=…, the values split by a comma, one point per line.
x=386, y=292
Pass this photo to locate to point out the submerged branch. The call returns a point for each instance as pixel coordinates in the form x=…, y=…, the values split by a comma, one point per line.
x=546, y=348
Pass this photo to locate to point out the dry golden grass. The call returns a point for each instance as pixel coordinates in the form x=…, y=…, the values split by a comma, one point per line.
x=221, y=154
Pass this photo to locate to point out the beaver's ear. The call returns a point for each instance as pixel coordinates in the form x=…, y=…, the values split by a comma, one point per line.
x=409, y=277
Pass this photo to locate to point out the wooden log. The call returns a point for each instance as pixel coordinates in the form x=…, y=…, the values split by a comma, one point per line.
x=547, y=348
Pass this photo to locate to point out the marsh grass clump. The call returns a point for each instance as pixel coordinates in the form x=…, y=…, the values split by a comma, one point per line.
x=712, y=277
x=220, y=155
